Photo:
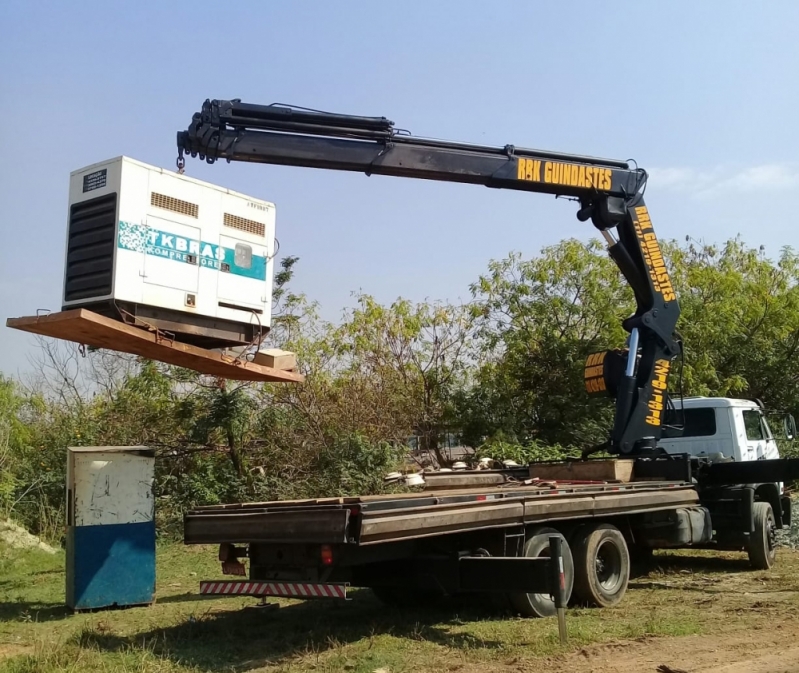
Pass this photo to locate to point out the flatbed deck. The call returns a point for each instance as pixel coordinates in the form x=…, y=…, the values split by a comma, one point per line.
x=92, y=329
x=368, y=520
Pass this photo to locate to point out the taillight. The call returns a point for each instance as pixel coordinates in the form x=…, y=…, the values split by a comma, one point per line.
x=327, y=555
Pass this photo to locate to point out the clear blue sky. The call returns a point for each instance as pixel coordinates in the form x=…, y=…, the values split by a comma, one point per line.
x=703, y=95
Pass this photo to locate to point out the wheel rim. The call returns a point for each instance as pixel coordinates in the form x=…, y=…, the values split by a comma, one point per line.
x=771, y=536
x=607, y=566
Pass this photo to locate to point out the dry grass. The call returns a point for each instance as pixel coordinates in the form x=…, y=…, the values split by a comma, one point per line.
x=688, y=593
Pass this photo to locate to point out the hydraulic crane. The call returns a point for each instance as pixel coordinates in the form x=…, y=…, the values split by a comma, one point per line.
x=610, y=194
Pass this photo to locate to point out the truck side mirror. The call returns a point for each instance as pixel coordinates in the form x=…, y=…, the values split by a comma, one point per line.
x=789, y=425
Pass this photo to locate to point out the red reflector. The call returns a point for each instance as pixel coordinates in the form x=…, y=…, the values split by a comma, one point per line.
x=481, y=497
x=327, y=555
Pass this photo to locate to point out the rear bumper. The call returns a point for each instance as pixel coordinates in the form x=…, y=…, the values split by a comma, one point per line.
x=300, y=590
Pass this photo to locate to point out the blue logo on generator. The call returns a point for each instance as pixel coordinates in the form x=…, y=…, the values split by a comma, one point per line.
x=239, y=261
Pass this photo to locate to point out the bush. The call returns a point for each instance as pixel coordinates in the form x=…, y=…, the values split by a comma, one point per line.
x=499, y=449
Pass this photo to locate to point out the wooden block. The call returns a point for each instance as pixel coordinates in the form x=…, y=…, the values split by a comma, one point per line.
x=588, y=470
x=276, y=358
x=91, y=329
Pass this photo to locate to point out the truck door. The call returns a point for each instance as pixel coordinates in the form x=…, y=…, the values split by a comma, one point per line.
x=760, y=444
x=772, y=450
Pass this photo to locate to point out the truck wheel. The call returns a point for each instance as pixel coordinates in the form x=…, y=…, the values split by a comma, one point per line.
x=601, y=565
x=762, y=546
x=537, y=546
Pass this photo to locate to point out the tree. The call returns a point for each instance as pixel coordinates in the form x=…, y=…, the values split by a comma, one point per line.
x=739, y=321
x=416, y=355
x=542, y=317
x=539, y=319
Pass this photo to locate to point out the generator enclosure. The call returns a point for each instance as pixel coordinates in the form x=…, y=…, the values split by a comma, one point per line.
x=159, y=249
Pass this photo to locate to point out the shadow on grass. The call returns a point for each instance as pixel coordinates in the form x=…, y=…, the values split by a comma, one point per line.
x=709, y=565
x=15, y=611
x=669, y=571
x=186, y=597
x=251, y=638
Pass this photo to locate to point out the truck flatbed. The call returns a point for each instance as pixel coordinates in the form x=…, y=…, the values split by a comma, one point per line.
x=367, y=520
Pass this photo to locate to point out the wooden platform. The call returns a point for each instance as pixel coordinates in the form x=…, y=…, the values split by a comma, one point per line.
x=92, y=329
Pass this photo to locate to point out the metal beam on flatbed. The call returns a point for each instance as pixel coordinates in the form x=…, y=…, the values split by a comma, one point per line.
x=424, y=515
x=749, y=472
x=414, y=523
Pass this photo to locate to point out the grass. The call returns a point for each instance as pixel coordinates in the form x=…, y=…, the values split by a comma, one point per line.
x=687, y=593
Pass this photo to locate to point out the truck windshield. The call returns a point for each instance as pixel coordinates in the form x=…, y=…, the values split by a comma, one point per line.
x=754, y=425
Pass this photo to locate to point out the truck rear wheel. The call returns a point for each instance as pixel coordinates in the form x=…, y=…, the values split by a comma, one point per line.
x=537, y=546
x=601, y=565
x=762, y=546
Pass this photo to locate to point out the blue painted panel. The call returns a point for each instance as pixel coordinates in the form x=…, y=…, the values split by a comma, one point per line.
x=110, y=565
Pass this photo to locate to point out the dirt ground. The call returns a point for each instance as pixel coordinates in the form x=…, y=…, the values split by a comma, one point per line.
x=774, y=650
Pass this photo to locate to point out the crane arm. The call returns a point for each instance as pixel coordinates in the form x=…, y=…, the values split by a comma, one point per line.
x=610, y=194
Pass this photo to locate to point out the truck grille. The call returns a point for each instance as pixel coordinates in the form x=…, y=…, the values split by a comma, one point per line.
x=90, y=248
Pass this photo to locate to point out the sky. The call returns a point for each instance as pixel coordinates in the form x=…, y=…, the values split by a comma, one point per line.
x=704, y=96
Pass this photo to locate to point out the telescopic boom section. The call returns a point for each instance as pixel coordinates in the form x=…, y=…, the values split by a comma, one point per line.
x=610, y=194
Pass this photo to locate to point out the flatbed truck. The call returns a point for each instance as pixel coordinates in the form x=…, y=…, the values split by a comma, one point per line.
x=487, y=531
x=466, y=531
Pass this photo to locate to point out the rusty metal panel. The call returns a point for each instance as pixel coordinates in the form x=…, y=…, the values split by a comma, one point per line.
x=86, y=327
x=300, y=527
x=607, y=503
x=437, y=519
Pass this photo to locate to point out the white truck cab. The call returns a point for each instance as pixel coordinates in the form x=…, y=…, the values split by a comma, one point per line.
x=736, y=429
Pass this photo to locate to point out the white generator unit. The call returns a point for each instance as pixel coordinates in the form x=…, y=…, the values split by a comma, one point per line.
x=153, y=247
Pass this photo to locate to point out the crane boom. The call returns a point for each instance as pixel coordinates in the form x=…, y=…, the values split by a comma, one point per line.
x=610, y=194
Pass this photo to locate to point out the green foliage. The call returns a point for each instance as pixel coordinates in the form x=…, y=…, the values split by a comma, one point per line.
x=740, y=321
x=500, y=449
x=539, y=320
x=505, y=372
x=355, y=466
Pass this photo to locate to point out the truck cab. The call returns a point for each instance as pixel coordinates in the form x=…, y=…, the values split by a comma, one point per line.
x=721, y=428
x=725, y=429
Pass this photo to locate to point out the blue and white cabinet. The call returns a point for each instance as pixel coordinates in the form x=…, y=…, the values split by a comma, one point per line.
x=110, y=527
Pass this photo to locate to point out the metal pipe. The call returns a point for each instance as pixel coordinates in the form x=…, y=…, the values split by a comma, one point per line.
x=609, y=238
x=633, y=352
x=557, y=580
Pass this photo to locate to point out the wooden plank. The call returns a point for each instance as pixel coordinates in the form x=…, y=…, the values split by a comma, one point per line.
x=590, y=470
x=91, y=329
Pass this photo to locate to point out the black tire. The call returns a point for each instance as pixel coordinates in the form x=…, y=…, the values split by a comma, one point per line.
x=762, y=546
x=601, y=565
x=537, y=546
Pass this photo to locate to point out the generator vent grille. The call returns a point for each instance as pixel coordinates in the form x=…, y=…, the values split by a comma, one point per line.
x=243, y=224
x=90, y=248
x=173, y=204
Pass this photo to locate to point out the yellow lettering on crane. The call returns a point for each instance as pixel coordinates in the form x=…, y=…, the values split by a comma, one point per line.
x=653, y=255
x=565, y=174
x=656, y=401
